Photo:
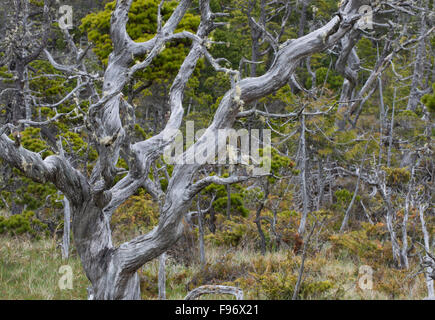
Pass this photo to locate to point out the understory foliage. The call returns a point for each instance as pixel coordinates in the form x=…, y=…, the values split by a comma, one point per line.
x=30, y=271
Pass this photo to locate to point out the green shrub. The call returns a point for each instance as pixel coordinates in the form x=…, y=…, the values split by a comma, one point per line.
x=233, y=232
x=24, y=223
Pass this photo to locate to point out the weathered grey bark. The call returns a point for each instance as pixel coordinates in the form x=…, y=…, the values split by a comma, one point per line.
x=214, y=289
x=312, y=75
x=404, y=251
x=66, y=228
x=303, y=177
x=381, y=119
x=303, y=17
x=348, y=64
x=256, y=34
x=419, y=65
x=162, y=276
x=429, y=272
x=391, y=215
x=390, y=134
x=112, y=270
x=381, y=90
x=404, y=262
x=27, y=106
x=201, y=236
x=321, y=182
x=302, y=266
x=366, y=214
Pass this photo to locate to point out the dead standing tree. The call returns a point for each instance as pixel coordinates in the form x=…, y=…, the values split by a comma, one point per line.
x=25, y=38
x=112, y=270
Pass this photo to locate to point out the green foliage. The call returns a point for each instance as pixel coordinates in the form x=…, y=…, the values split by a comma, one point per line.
x=34, y=195
x=280, y=165
x=407, y=114
x=4, y=73
x=362, y=243
x=32, y=270
x=39, y=3
x=142, y=26
x=75, y=143
x=333, y=82
x=135, y=216
x=50, y=88
x=31, y=140
x=429, y=99
x=280, y=286
x=275, y=278
x=233, y=232
x=343, y=197
x=366, y=49
x=24, y=223
x=397, y=176
x=220, y=203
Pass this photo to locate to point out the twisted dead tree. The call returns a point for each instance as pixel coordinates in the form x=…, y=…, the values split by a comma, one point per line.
x=93, y=199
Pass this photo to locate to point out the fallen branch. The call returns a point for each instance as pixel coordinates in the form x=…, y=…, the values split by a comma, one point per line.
x=214, y=289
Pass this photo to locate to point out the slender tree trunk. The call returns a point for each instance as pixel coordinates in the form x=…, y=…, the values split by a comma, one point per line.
x=258, y=220
x=321, y=185
x=312, y=75
x=28, y=109
x=390, y=225
x=349, y=208
x=355, y=193
x=381, y=134
x=429, y=271
x=260, y=231
x=256, y=34
x=404, y=252
x=419, y=66
x=303, y=18
x=348, y=65
x=228, y=202
x=390, y=135
x=302, y=266
x=201, y=236
x=211, y=221
x=66, y=228
x=255, y=48
x=162, y=276
x=303, y=176
x=18, y=102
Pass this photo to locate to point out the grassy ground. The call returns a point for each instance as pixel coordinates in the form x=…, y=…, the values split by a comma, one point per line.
x=30, y=270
